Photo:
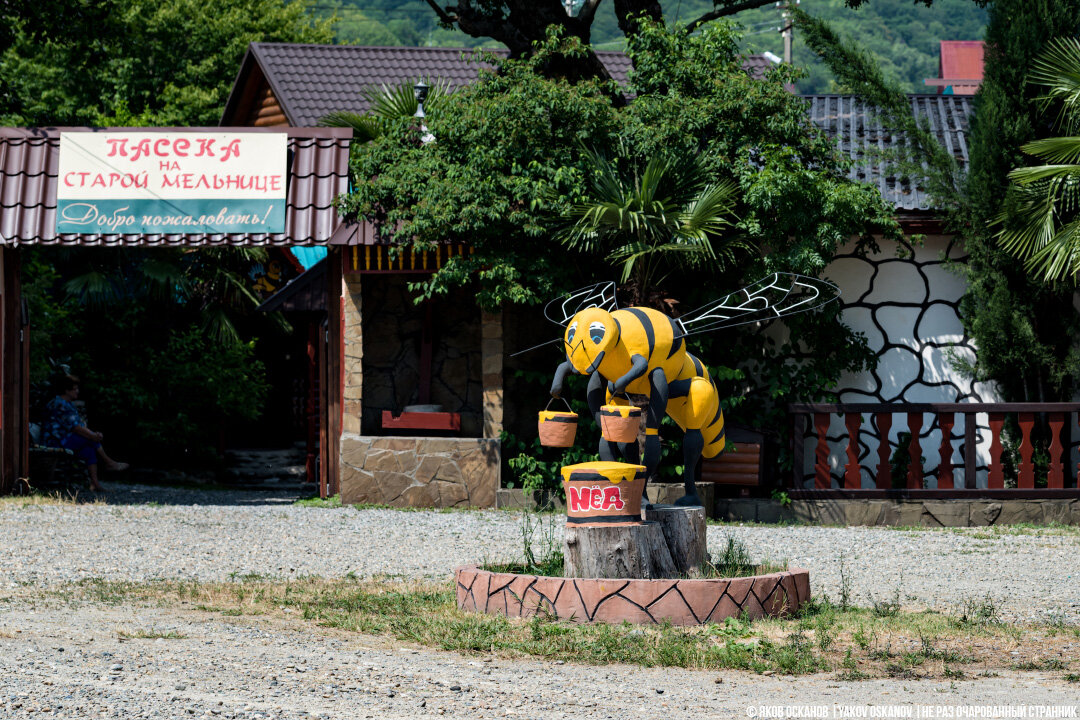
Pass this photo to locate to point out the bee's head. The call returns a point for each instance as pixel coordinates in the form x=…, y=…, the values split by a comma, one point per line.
x=590, y=334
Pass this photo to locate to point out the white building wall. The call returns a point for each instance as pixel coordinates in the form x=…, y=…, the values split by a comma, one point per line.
x=907, y=306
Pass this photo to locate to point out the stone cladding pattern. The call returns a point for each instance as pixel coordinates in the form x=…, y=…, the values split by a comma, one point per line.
x=906, y=303
x=419, y=471
x=585, y=600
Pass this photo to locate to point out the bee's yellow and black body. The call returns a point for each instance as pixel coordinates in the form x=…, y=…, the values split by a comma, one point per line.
x=643, y=351
x=640, y=351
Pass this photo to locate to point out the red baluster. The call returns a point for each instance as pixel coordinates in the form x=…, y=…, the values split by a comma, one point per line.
x=1027, y=467
x=915, y=469
x=852, y=474
x=1055, y=478
x=996, y=479
x=945, y=466
x=821, y=454
x=884, y=467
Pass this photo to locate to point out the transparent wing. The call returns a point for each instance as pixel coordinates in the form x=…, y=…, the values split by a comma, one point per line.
x=601, y=295
x=775, y=296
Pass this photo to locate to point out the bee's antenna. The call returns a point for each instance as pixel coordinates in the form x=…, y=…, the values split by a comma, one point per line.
x=535, y=347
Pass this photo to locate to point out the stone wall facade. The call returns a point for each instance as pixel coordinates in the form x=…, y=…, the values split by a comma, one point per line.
x=392, y=335
x=902, y=513
x=905, y=300
x=419, y=471
x=353, y=369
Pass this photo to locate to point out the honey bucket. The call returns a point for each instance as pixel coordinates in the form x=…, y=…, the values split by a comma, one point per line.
x=620, y=423
x=557, y=428
x=598, y=492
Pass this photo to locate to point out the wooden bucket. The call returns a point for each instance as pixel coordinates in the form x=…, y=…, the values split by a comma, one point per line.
x=557, y=428
x=620, y=423
x=599, y=492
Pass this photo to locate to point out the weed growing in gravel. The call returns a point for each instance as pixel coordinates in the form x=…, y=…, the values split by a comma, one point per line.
x=1042, y=664
x=977, y=612
x=150, y=635
x=857, y=643
x=1072, y=677
x=38, y=500
x=541, y=548
x=734, y=561
x=334, y=501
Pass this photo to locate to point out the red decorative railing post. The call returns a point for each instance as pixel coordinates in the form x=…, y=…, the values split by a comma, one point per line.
x=881, y=415
x=798, y=435
x=996, y=477
x=914, y=468
x=969, y=451
x=852, y=474
x=1027, y=467
x=822, y=478
x=884, y=467
x=945, y=466
x=1055, y=476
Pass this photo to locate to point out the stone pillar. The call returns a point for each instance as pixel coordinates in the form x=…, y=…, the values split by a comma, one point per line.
x=491, y=362
x=354, y=355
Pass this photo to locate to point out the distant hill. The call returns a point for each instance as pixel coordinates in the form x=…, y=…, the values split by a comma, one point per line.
x=903, y=35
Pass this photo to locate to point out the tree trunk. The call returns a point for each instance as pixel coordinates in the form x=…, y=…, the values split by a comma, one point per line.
x=684, y=532
x=631, y=550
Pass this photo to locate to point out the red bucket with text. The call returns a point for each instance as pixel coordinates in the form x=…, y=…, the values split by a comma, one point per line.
x=603, y=492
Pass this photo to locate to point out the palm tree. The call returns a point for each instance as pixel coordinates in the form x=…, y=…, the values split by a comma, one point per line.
x=385, y=104
x=654, y=217
x=1041, y=216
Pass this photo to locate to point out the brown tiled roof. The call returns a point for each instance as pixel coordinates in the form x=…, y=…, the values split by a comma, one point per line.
x=29, y=159
x=850, y=121
x=310, y=81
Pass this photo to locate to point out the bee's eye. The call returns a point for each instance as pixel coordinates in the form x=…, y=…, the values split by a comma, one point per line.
x=596, y=331
x=570, y=332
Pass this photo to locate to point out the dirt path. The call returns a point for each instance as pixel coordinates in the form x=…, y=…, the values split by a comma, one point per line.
x=86, y=660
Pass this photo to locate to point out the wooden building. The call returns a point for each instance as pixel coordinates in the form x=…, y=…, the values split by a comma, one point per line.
x=317, y=172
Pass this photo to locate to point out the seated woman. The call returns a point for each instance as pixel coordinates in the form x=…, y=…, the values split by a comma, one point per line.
x=65, y=429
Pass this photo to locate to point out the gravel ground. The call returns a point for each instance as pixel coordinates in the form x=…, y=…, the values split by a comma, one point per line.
x=143, y=533
x=263, y=668
x=62, y=662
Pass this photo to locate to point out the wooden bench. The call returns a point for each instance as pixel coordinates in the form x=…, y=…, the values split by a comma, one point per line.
x=744, y=464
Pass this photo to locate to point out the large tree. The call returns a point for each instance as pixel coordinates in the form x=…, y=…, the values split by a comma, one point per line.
x=521, y=24
x=171, y=62
x=1027, y=345
x=512, y=157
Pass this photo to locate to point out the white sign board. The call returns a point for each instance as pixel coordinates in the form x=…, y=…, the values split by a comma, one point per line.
x=138, y=182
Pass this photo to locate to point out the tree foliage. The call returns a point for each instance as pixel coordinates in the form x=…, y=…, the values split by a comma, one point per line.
x=77, y=62
x=510, y=161
x=1026, y=343
x=1042, y=223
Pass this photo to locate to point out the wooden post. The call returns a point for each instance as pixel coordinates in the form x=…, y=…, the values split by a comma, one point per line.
x=969, y=450
x=884, y=467
x=798, y=437
x=1055, y=477
x=996, y=479
x=945, y=466
x=852, y=473
x=335, y=350
x=822, y=477
x=1027, y=466
x=684, y=532
x=914, y=468
x=618, y=550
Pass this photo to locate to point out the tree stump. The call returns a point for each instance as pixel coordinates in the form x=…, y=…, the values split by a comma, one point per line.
x=684, y=532
x=619, y=550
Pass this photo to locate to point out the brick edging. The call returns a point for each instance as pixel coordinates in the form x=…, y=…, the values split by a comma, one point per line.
x=680, y=602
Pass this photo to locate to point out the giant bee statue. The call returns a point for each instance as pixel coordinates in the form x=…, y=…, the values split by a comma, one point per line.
x=642, y=351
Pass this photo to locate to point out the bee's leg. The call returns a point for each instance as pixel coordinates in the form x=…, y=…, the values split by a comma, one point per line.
x=658, y=399
x=693, y=444
x=596, y=396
